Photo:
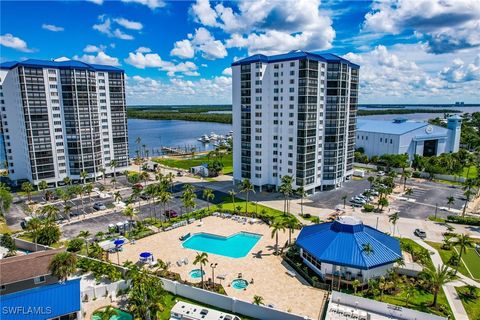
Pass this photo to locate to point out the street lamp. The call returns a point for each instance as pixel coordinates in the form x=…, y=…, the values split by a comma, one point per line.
x=213, y=266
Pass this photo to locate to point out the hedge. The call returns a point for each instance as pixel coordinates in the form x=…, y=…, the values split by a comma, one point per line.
x=464, y=220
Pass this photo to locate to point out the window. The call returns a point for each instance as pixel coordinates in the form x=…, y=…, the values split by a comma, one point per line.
x=381, y=140
x=292, y=72
x=3, y=287
x=292, y=64
x=391, y=141
x=38, y=280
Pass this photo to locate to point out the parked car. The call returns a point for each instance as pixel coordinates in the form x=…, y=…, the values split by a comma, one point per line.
x=380, y=173
x=171, y=213
x=420, y=233
x=145, y=196
x=179, y=173
x=99, y=206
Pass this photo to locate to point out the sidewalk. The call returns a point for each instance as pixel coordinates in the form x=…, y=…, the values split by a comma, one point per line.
x=449, y=288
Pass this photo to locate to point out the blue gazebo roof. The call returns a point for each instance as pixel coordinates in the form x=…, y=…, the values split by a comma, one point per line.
x=341, y=243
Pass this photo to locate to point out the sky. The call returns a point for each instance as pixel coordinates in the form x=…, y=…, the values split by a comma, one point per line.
x=180, y=52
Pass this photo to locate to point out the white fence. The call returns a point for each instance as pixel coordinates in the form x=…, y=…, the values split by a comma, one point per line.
x=228, y=303
x=102, y=290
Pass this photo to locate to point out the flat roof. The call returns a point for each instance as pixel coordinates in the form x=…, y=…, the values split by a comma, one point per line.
x=64, y=64
x=19, y=268
x=185, y=310
x=392, y=127
x=296, y=55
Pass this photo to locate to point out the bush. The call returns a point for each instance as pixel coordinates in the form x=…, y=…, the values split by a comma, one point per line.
x=48, y=235
x=7, y=241
x=307, y=215
x=416, y=174
x=368, y=207
x=75, y=245
x=473, y=221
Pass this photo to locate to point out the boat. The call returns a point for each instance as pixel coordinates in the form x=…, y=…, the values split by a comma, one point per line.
x=205, y=138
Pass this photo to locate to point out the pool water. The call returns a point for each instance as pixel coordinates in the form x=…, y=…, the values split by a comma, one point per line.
x=196, y=273
x=122, y=315
x=239, y=284
x=234, y=246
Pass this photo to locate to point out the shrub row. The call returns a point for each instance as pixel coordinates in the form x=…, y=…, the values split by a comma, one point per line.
x=473, y=221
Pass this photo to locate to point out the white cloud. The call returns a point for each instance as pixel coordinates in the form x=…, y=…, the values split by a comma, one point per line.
x=461, y=72
x=445, y=25
x=202, y=41
x=99, y=2
x=269, y=26
x=183, y=49
x=152, y=4
x=92, y=48
x=153, y=60
x=227, y=71
x=10, y=41
x=147, y=90
x=132, y=25
x=143, y=50
x=100, y=58
x=51, y=27
x=105, y=27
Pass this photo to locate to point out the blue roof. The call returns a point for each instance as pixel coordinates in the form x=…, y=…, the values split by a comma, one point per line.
x=295, y=55
x=68, y=64
x=43, y=302
x=388, y=127
x=342, y=243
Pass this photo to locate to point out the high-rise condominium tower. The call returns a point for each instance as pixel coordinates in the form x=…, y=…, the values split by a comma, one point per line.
x=62, y=117
x=294, y=114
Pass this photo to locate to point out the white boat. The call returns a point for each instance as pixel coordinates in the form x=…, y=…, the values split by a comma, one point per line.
x=204, y=138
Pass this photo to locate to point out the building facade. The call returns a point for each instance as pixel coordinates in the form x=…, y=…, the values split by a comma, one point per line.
x=60, y=118
x=401, y=136
x=294, y=114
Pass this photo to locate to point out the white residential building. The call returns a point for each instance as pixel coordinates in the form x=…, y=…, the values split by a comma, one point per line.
x=294, y=114
x=62, y=117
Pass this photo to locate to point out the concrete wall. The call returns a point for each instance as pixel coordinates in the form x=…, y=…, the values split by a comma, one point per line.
x=377, y=307
x=103, y=290
x=228, y=303
x=29, y=246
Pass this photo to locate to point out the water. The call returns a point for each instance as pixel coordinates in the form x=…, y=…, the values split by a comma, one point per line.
x=121, y=315
x=171, y=133
x=196, y=273
x=239, y=284
x=416, y=116
x=235, y=246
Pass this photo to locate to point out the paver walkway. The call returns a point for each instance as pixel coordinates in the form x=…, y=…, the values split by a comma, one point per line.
x=452, y=296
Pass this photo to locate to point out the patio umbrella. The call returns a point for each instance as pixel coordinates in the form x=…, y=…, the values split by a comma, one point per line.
x=145, y=255
x=118, y=242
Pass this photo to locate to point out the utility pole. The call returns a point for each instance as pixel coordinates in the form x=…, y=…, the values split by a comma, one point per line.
x=436, y=208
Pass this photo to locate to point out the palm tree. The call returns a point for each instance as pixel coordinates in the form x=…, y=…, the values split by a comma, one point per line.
x=130, y=212
x=367, y=248
x=62, y=265
x=83, y=176
x=450, y=201
x=286, y=190
x=81, y=191
x=34, y=226
x=355, y=284
x=144, y=176
x=405, y=175
x=50, y=211
x=201, y=259
x=463, y=242
x=408, y=192
x=291, y=223
x=371, y=179
x=84, y=234
x=258, y=300
x=164, y=197
x=138, y=141
x=302, y=194
x=409, y=292
x=66, y=211
x=6, y=199
x=27, y=187
x=88, y=189
x=106, y=313
x=43, y=185
x=169, y=178
x=393, y=218
x=246, y=186
x=188, y=197
x=117, y=196
x=103, y=171
x=276, y=227
x=208, y=195
x=437, y=278
x=344, y=198
x=67, y=181
x=468, y=193
x=232, y=194
x=113, y=165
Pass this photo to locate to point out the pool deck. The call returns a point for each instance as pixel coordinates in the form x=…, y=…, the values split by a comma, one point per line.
x=267, y=270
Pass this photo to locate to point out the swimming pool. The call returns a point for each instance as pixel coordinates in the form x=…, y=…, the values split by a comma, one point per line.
x=235, y=246
x=121, y=315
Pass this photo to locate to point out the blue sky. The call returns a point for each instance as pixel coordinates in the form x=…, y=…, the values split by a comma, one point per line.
x=179, y=52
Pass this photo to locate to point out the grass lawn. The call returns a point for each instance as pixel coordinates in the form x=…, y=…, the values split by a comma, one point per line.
x=259, y=209
x=188, y=163
x=470, y=258
x=472, y=173
x=471, y=305
x=4, y=228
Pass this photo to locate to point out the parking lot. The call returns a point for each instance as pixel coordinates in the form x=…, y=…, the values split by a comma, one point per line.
x=330, y=199
x=95, y=224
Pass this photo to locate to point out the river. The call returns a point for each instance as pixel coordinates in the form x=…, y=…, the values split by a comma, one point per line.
x=184, y=134
x=171, y=133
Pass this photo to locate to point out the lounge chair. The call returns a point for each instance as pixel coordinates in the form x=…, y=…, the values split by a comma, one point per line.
x=185, y=261
x=291, y=273
x=179, y=263
x=239, y=275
